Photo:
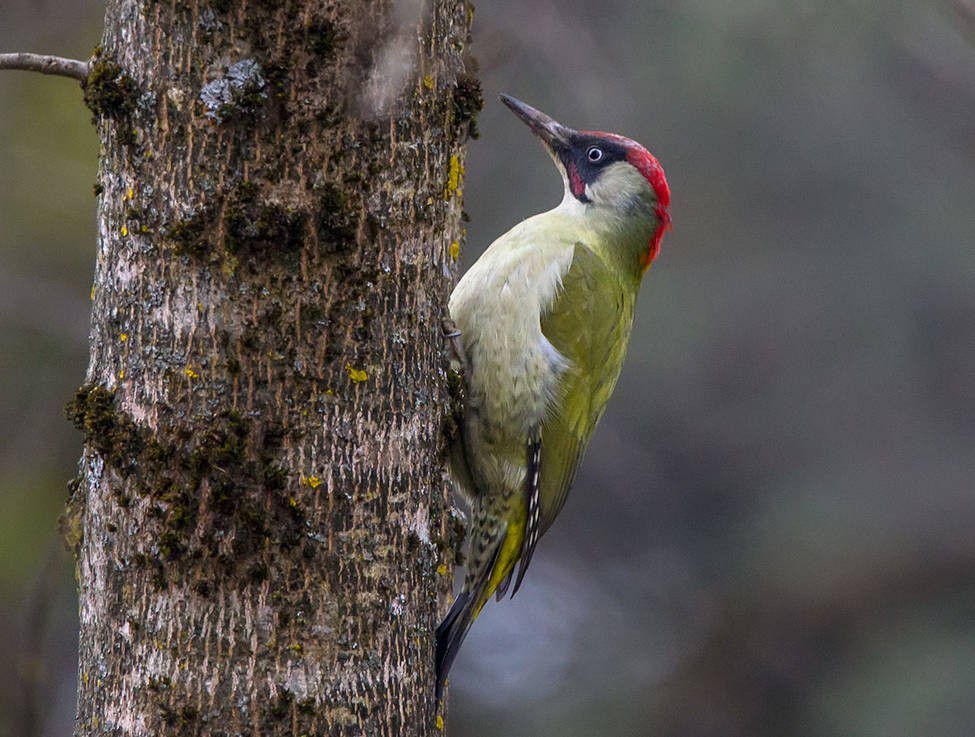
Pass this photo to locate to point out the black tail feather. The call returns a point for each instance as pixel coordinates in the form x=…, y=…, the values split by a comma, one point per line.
x=500, y=592
x=454, y=628
x=450, y=636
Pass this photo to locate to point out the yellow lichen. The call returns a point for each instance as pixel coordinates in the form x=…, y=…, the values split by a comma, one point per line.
x=190, y=373
x=230, y=265
x=121, y=374
x=356, y=375
x=454, y=176
x=428, y=81
x=92, y=294
x=440, y=722
x=130, y=194
x=125, y=230
x=313, y=481
x=442, y=569
x=455, y=250
x=123, y=337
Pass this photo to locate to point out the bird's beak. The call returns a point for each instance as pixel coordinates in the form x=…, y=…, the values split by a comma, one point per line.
x=555, y=135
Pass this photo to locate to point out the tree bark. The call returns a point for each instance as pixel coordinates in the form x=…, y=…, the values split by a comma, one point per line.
x=261, y=503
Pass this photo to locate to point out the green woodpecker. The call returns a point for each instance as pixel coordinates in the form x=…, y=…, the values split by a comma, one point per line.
x=544, y=319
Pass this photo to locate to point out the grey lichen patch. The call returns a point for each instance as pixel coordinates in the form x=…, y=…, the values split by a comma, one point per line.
x=209, y=22
x=238, y=95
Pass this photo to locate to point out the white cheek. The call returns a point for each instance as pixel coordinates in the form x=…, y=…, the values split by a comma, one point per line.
x=570, y=204
x=588, y=192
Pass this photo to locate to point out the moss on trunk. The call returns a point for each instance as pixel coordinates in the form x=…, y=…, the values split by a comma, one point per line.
x=261, y=492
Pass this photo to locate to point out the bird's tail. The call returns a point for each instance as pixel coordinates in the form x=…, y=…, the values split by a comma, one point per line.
x=450, y=636
x=463, y=612
x=500, y=552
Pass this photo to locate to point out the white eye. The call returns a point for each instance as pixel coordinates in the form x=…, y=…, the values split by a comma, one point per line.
x=595, y=154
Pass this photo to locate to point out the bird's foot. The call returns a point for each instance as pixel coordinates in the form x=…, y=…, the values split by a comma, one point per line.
x=458, y=360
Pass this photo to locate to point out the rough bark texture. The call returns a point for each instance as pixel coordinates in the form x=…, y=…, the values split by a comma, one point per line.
x=261, y=502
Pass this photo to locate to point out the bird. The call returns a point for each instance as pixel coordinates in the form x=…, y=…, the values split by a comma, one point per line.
x=540, y=324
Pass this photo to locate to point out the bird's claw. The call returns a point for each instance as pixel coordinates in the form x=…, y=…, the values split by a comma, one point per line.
x=452, y=334
x=450, y=329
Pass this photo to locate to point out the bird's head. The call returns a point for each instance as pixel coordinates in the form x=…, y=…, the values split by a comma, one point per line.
x=607, y=174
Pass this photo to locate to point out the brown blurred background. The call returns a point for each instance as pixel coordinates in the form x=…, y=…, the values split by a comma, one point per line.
x=774, y=530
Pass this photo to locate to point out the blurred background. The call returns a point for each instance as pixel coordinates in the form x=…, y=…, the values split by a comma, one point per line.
x=774, y=530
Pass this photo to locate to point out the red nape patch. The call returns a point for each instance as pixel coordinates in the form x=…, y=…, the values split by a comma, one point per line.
x=645, y=163
x=658, y=235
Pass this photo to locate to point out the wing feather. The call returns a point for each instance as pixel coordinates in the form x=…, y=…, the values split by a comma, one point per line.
x=589, y=324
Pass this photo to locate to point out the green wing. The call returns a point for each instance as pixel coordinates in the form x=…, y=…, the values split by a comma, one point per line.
x=589, y=323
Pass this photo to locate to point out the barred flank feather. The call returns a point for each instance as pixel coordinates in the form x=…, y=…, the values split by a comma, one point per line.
x=531, y=524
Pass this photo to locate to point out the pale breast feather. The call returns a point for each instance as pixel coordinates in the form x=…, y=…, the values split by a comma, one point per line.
x=497, y=306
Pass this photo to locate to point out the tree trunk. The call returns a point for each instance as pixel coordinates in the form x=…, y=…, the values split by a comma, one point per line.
x=261, y=497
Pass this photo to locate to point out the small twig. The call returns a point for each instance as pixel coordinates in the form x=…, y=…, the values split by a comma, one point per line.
x=46, y=65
